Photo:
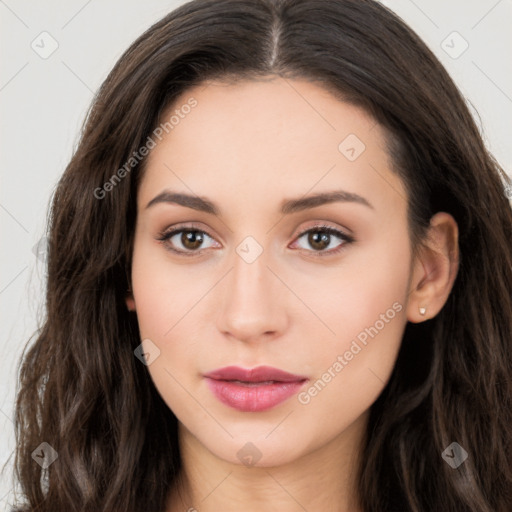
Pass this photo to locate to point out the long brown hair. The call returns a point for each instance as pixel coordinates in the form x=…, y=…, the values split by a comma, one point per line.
x=84, y=393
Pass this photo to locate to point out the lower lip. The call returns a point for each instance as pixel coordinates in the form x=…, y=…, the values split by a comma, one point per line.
x=253, y=397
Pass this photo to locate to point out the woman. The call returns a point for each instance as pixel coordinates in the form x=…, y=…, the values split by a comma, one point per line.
x=279, y=278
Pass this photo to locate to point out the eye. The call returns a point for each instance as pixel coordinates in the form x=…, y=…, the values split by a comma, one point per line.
x=189, y=240
x=321, y=237
x=184, y=240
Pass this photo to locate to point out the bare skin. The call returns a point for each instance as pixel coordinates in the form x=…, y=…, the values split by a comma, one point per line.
x=298, y=305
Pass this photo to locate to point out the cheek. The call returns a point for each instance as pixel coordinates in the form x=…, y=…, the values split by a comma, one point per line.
x=350, y=377
x=165, y=293
x=165, y=296
x=168, y=302
x=373, y=295
x=368, y=317
x=363, y=298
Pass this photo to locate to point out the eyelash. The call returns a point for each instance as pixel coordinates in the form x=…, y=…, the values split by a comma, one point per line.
x=165, y=236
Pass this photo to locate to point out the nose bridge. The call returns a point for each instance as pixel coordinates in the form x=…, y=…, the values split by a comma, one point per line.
x=250, y=276
x=252, y=303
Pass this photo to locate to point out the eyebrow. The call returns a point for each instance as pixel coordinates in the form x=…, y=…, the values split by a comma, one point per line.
x=288, y=206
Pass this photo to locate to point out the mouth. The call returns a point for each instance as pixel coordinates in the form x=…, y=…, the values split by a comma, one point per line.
x=253, y=390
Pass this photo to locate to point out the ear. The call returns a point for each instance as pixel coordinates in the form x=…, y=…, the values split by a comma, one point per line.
x=130, y=301
x=434, y=269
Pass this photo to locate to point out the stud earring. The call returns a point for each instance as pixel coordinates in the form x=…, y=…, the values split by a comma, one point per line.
x=423, y=311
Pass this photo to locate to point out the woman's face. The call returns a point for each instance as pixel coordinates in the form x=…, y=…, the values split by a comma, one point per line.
x=252, y=280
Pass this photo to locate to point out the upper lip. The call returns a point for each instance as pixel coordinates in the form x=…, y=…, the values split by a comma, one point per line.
x=258, y=374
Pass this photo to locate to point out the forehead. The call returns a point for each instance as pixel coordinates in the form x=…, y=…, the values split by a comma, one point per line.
x=267, y=138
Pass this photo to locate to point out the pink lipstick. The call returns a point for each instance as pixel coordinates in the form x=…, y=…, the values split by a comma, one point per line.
x=253, y=390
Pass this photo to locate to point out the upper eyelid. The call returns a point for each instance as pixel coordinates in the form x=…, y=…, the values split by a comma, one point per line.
x=319, y=227
x=192, y=227
x=179, y=228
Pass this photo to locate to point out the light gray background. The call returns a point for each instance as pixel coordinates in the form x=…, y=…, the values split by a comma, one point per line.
x=43, y=102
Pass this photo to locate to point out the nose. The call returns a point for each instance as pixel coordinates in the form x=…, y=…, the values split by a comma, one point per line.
x=253, y=303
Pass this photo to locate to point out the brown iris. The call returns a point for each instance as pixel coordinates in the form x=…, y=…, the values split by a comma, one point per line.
x=319, y=239
x=192, y=239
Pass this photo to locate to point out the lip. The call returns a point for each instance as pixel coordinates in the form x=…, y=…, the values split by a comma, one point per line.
x=253, y=390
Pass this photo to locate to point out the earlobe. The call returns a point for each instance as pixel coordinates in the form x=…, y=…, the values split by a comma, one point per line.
x=130, y=301
x=434, y=269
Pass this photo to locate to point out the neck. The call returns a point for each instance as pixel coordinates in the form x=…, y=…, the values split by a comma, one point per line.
x=323, y=479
